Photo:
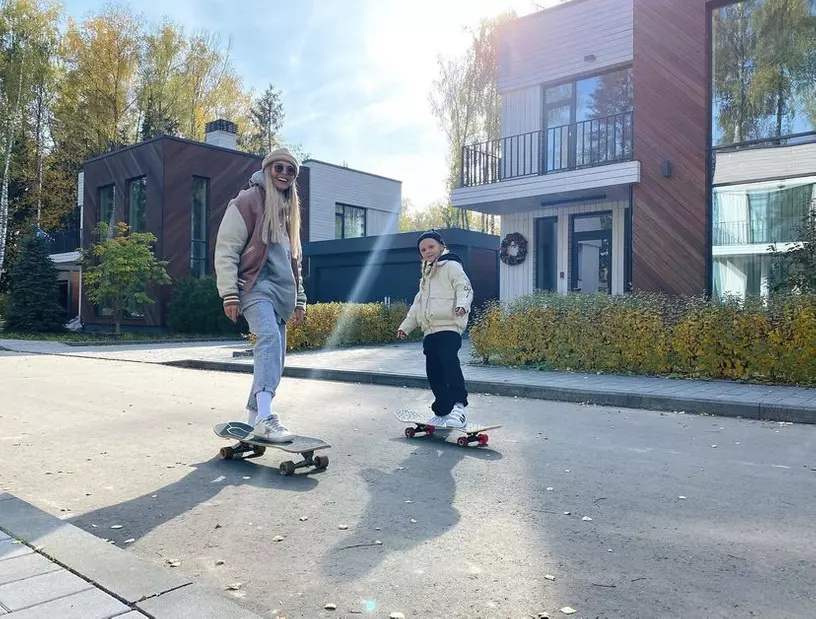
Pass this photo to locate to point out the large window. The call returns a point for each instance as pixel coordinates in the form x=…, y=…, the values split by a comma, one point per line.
x=137, y=204
x=764, y=65
x=199, y=210
x=107, y=206
x=589, y=121
x=762, y=213
x=349, y=222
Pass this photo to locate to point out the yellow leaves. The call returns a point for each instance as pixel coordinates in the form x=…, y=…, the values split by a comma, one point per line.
x=641, y=334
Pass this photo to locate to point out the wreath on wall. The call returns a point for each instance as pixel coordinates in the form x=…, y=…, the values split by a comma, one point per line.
x=513, y=249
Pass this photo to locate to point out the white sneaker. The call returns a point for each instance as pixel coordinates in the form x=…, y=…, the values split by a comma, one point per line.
x=436, y=421
x=457, y=417
x=272, y=430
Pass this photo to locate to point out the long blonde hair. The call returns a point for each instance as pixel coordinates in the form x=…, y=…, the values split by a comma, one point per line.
x=281, y=204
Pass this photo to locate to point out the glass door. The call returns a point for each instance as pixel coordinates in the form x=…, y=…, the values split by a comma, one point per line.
x=591, y=253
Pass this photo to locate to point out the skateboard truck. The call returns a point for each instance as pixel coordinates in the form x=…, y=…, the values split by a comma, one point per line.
x=462, y=441
x=309, y=459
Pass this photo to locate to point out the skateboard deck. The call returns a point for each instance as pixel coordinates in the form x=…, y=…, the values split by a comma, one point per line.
x=473, y=432
x=303, y=445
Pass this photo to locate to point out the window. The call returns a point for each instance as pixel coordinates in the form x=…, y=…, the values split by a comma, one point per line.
x=349, y=222
x=107, y=207
x=137, y=204
x=589, y=121
x=199, y=211
x=763, y=65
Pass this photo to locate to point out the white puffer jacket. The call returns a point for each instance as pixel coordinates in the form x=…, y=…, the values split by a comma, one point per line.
x=444, y=287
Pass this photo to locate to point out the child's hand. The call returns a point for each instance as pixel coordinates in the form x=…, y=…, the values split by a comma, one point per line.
x=402, y=334
x=460, y=311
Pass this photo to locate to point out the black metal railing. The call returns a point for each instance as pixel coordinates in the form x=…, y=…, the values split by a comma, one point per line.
x=756, y=232
x=585, y=144
x=64, y=241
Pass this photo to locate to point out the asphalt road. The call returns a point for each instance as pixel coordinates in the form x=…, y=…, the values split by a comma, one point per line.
x=690, y=516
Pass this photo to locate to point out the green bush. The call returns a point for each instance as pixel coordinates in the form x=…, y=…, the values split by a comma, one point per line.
x=347, y=324
x=773, y=341
x=33, y=302
x=196, y=308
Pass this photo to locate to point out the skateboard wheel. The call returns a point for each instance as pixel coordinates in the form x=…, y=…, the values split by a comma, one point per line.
x=482, y=439
x=287, y=468
x=429, y=430
x=410, y=432
x=321, y=462
x=258, y=451
x=226, y=453
x=462, y=441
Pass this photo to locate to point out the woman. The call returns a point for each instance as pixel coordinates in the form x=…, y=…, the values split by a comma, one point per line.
x=257, y=267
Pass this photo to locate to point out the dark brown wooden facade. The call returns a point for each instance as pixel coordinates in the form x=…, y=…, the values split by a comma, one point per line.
x=670, y=223
x=169, y=165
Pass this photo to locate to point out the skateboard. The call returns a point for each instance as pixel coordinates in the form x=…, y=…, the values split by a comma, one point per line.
x=303, y=445
x=473, y=432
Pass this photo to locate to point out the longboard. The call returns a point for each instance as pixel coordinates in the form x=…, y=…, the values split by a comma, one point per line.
x=303, y=445
x=473, y=432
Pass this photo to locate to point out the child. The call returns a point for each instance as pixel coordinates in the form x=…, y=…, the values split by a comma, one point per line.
x=257, y=266
x=440, y=309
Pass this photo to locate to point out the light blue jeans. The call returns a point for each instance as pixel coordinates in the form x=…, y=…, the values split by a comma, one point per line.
x=270, y=348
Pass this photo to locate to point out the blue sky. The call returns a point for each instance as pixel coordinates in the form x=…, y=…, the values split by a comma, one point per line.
x=355, y=74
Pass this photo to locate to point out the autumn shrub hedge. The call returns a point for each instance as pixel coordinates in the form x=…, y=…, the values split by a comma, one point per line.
x=749, y=340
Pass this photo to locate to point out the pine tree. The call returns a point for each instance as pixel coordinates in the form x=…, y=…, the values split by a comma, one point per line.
x=33, y=291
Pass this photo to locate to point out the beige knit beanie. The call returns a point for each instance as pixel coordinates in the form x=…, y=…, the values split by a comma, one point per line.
x=281, y=154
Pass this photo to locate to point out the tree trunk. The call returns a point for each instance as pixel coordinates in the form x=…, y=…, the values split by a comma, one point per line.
x=4, y=198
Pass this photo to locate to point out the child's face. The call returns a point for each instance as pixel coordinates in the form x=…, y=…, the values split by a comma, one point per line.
x=430, y=249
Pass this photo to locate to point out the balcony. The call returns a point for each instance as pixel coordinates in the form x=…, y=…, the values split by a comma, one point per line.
x=587, y=144
x=757, y=232
x=63, y=242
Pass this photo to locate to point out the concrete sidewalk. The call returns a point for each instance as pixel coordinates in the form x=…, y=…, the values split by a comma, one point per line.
x=50, y=569
x=404, y=365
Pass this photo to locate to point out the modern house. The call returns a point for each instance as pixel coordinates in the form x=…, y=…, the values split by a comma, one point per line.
x=638, y=148
x=179, y=189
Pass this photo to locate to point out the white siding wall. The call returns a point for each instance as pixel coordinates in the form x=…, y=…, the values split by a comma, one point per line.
x=549, y=46
x=521, y=111
x=330, y=185
x=518, y=280
x=749, y=165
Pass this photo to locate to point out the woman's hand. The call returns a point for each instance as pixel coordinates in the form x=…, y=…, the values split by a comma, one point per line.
x=402, y=334
x=232, y=311
x=300, y=315
x=460, y=311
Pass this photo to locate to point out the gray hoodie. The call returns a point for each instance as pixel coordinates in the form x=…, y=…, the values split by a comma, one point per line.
x=276, y=282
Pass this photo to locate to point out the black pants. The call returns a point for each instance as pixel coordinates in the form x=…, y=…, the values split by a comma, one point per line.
x=444, y=371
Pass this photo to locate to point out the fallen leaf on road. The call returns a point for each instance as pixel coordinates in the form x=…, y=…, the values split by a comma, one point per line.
x=330, y=607
x=549, y=576
x=343, y=527
x=235, y=586
x=568, y=611
x=304, y=518
x=550, y=489
x=586, y=519
x=396, y=616
x=130, y=541
x=682, y=498
x=542, y=616
x=412, y=521
x=173, y=563
x=277, y=538
x=116, y=526
x=220, y=562
x=713, y=447
x=567, y=513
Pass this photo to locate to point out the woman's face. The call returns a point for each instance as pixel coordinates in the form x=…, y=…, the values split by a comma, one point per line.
x=283, y=174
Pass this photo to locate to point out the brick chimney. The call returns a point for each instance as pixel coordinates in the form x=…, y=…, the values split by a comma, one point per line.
x=221, y=133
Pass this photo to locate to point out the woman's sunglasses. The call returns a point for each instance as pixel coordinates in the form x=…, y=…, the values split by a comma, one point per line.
x=280, y=169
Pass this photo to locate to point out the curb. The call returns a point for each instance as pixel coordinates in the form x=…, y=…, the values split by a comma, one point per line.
x=136, y=582
x=723, y=407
